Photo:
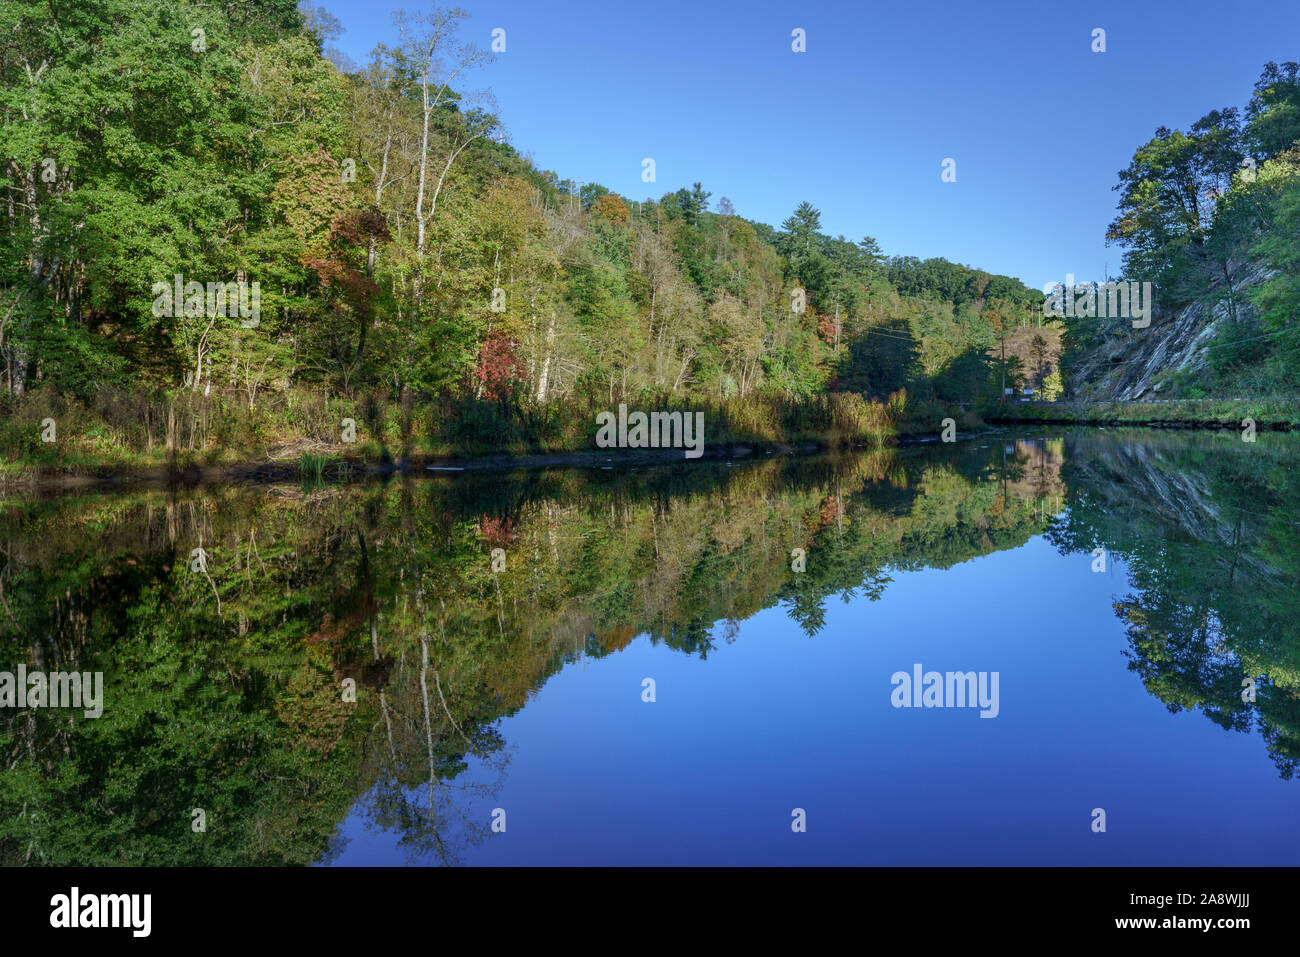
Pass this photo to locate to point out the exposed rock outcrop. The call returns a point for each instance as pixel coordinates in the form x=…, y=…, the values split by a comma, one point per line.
x=1136, y=363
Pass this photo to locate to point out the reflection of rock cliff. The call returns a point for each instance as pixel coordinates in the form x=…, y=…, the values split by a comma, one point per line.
x=1207, y=526
x=1207, y=489
x=1133, y=363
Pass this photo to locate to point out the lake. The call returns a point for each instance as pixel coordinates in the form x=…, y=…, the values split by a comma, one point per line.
x=1031, y=647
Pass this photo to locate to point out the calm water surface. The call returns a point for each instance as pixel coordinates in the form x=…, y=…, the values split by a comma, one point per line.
x=455, y=669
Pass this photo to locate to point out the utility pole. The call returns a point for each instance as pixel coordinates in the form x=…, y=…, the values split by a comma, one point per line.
x=1002, y=326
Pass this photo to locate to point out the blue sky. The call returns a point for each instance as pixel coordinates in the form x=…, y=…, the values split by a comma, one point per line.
x=861, y=122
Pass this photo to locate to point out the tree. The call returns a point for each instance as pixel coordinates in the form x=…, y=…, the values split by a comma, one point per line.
x=871, y=255
x=1273, y=114
x=801, y=231
x=611, y=208
x=1169, y=196
x=436, y=59
x=882, y=360
x=1279, y=246
x=1038, y=351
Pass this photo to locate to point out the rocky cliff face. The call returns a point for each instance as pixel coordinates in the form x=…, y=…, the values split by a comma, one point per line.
x=1137, y=363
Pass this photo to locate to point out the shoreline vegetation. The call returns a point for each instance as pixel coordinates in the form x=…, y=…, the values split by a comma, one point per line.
x=188, y=440
x=1265, y=414
x=373, y=250
x=380, y=279
x=179, y=436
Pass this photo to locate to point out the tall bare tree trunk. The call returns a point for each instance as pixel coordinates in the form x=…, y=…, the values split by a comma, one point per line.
x=543, y=378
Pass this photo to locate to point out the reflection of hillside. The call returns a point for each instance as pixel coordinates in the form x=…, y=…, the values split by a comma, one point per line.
x=1208, y=527
x=1039, y=473
x=224, y=682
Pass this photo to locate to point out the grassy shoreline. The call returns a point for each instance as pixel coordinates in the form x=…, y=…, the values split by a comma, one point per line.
x=102, y=446
x=313, y=437
x=1272, y=414
x=212, y=439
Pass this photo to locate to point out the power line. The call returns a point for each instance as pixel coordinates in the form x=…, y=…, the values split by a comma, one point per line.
x=1267, y=335
x=873, y=332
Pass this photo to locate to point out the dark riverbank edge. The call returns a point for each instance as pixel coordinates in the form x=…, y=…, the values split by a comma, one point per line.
x=345, y=469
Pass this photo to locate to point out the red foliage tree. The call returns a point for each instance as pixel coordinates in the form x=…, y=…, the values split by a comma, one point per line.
x=499, y=367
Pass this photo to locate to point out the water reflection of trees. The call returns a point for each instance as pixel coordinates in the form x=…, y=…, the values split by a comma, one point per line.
x=1207, y=527
x=432, y=817
x=225, y=686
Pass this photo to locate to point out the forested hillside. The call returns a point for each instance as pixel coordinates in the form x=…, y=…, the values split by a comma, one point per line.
x=215, y=238
x=1211, y=217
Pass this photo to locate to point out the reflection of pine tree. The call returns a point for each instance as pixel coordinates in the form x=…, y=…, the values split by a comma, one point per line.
x=695, y=637
x=1279, y=726
x=807, y=609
